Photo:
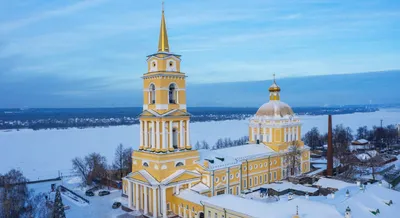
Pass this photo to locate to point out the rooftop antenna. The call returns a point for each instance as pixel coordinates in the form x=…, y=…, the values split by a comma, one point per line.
x=162, y=6
x=274, y=77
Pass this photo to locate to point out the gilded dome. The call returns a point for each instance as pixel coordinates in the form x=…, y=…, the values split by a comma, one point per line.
x=275, y=108
x=274, y=87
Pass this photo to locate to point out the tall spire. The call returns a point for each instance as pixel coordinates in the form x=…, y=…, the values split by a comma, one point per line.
x=163, y=45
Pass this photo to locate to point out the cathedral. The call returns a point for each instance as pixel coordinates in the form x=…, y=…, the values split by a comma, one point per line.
x=170, y=179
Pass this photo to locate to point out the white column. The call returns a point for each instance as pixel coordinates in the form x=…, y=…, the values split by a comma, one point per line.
x=153, y=137
x=141, y=196
x=190, y=185
x=177, y=96
x=190, y=213
x=184, y=212
x=181, y=134
x=177, y=189
x=137, y=196
x=252, y=134
x=141, y=133
x=154, y=203
x=270, y=134
x=265, y=134
x=158, y=135
x=164, y=202
x=130, y=194
x=187, y=133
x=145, y=210
x=146, y=135
x=284, y=134
x=163, y=143
x=170, y=134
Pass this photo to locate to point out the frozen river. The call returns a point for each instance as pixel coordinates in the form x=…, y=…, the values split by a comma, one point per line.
x=41, y=154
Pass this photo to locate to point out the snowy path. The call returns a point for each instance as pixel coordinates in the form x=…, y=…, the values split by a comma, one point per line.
x=41, y=154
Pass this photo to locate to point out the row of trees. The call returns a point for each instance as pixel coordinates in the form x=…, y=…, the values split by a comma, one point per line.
x=222, y=143
x=380, y=136
x=94, y=167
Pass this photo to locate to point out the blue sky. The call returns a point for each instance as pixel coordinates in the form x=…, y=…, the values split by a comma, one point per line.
x=91, y=47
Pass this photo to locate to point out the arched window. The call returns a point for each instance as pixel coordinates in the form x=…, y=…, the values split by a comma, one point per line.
x=172, y=94
x=152, y=94
x=179, y=164
x=145, y=164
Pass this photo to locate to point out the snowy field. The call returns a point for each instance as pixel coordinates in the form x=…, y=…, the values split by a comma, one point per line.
x=41, y=154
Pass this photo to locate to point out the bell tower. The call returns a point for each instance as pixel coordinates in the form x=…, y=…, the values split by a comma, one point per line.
x=164, y=122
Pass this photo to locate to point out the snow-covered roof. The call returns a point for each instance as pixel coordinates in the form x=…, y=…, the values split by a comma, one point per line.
x=281, y=186
x=192, y=196
x=217, y=159
x=333, y=183
x=360, y=142
x=200, y=187
x=363, y=202
x=232, y=156
x=280, y=209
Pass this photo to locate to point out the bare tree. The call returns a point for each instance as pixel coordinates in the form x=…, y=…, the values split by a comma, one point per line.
x=13, y=194
x=119, y=159
x=128, y=159
x=93, y=166
x=313, y=138
x=204, y=145
x=79, y=166
x=293, y=159
x=197, y=146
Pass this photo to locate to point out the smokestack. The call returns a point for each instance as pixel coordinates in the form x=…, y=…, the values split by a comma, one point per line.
x=329, y=155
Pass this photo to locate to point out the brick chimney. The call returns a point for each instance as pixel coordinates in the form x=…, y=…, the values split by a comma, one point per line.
x=329, y=154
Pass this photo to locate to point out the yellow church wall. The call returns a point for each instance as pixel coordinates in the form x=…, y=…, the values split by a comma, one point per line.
x=158, y=162
x=193, y=207
x=162, y=63
x=213, y=211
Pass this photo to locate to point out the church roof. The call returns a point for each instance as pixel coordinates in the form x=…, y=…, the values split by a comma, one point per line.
x=232, y=156
x=275, y=108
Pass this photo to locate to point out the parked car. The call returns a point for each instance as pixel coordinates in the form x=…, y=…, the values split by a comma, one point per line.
x=89, y=193
x=116, y=205
x=102, y=193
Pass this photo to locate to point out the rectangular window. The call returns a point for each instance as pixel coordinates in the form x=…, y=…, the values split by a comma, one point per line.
x=265, y=177
x=237, y=190
x=250, y=183
x=255, y=180
x=244, y=183
x=209, y=214
x=261, y=180
x=274, y=175
x=270, y=176
x=221, y=192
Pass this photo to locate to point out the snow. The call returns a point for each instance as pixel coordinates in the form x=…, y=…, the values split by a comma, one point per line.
x=99, y=206
x=200, y=187
x=192, y=196
x=361, y=141
x=42, y=154
x=362, y=202
x=280, y=209
x=333, y=183
x=281, y=186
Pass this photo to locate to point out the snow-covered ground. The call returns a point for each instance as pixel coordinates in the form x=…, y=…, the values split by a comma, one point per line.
x=99, y=206
x=41, y=154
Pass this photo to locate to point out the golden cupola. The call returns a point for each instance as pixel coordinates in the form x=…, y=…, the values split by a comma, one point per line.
x=274, y=107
